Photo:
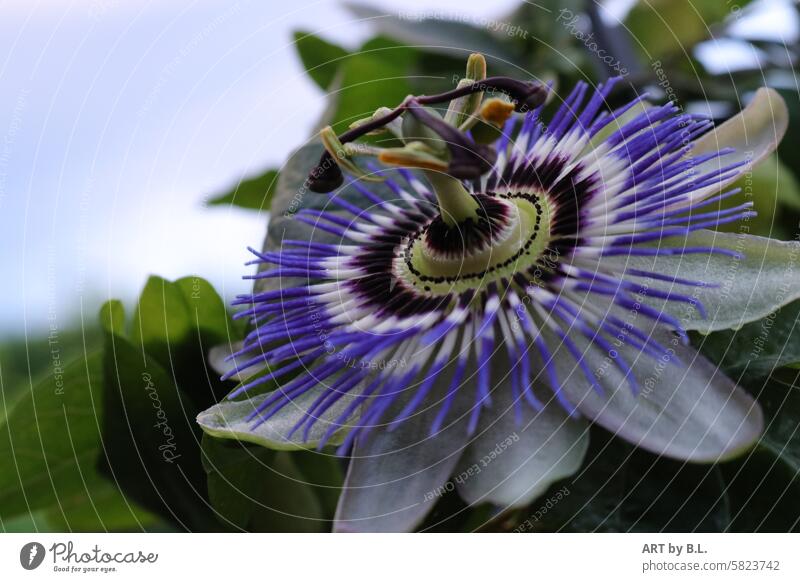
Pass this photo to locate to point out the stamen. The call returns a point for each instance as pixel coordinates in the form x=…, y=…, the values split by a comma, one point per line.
x=526, y=95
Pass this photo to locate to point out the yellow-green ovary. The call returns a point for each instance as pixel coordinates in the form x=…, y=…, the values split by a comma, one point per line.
x=521, y=243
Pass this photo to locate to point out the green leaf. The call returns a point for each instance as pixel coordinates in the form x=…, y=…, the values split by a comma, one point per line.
x=788, y=150
x=35, y=521
x=667, y=495
x=320, y=58
x=255, y=489
x=763, y=491
x=623, y=489
x=151, y=443
x=177, y=323
x=758, y=348
x=101, y=508
x=449, y=37
x=161, y=319
x=546, y=42
x=376, y=76
x=254, y=193
x=764, y=485
x=155, y=384
x=323, y=473
x=784, y=181
x=112, y=317
x=669, y=27
x=27, y=358
x=51, y=437
x=206, y=310
x=780, y=398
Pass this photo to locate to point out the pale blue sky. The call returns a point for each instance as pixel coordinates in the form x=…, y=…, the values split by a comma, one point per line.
x=118, y=116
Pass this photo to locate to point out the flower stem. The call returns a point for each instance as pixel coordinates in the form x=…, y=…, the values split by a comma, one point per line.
x=455, y=203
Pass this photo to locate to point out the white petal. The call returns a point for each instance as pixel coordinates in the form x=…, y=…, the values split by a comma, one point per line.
x=229, y=419
x=755, y=133
x=395, y=478
x=739, y=291
x=217, y=359
x=511, y=465
x=690, y=411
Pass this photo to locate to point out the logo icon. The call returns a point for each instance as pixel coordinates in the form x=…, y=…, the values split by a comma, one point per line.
x=31, y=555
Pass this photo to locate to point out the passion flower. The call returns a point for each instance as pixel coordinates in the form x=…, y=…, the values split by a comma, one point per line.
x=509, y=293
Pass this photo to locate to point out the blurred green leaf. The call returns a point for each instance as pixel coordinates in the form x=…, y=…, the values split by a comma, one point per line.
x=320, y=58
x=156, y=380
x=50, y=437
x=253, y=193
x=669, y=27
x=323, y=473
x=161, y=319
x=375, y=76
x=206, y=309
x=26, y=522
x=546, y=39
x=786, y=183
x=788, y=150
x=26, y=358
x=758, y=348
x=779, y=396
x=764, y=485
x=450, y=37
x=257, y=489
x=151, y=440
x=101, y=508
x=112, y=317
x=623, y=489
x=50, y=441
x=667, y=495
x=763, y=492
x=177, y=323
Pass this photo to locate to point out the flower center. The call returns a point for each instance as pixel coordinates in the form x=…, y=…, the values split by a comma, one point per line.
x=509, y=234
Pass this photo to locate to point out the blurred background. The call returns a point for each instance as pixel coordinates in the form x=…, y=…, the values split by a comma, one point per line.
x=145, y=138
